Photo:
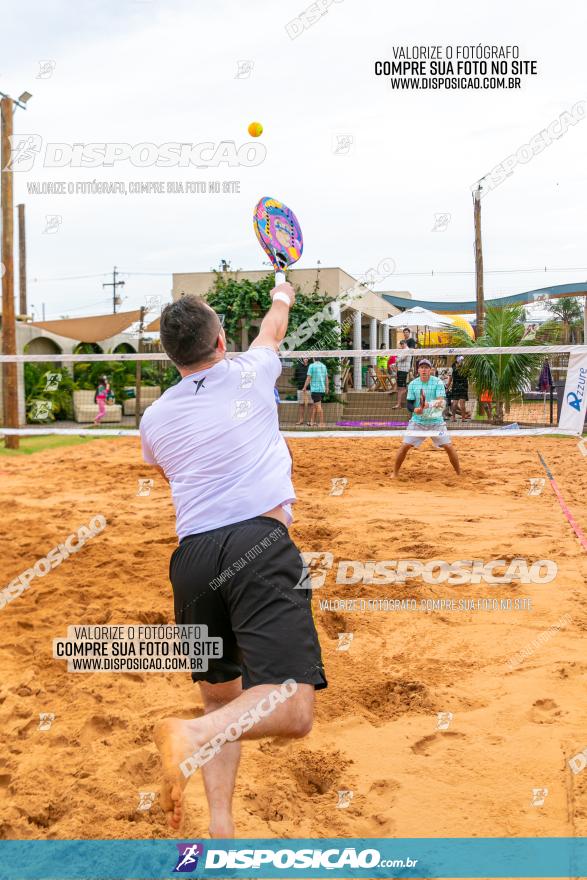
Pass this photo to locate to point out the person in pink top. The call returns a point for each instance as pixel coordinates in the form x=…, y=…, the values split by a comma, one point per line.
x=103, y=394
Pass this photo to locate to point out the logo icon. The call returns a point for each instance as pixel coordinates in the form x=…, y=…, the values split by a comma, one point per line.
x=146, y=800
x=539, y=796
x=344, y=799
x=574, y=400
x=52, y=381
x=145, y=486
x=536, y=485
x=248, y=378
x=40, y=410
x=242, y=408
x=187, y=860
x=342, y=144
x=344, y=641
x=52, y=223
x=444, y=719
x=46, y=719
x=153, y=302
x=244, y=68
x=314, y=569
x=339, y=484
x=441, y=222
x=24, y=151
x=199, y=383
x=578, y=762
x=46, y=69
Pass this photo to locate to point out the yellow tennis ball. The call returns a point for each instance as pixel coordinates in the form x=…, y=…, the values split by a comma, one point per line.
x=255, y=129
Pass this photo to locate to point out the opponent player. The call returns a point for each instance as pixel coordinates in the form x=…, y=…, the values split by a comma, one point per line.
x=215, y=438
x=426, y=400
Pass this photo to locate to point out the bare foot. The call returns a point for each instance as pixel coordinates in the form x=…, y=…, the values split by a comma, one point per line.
x=176, y=739
x=221, y=827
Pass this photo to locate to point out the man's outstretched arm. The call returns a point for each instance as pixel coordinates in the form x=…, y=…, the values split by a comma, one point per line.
x=274, y=325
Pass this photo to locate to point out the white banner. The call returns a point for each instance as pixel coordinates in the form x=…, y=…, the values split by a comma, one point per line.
x=574, y=408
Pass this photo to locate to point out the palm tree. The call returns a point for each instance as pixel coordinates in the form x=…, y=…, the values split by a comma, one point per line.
x=568, y=311
x=506, y=376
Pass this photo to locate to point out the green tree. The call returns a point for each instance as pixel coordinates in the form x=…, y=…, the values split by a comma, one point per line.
x=506, y=376
x=568, y=311
x=244, y=303
x=48, y=382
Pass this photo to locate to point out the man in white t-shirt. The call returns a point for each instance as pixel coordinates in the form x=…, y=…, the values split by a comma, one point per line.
x=215, y=438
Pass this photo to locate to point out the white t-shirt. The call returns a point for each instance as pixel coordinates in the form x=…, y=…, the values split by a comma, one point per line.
x=216, y=436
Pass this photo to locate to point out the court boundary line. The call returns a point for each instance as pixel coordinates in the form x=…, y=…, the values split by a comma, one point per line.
x=564, y=506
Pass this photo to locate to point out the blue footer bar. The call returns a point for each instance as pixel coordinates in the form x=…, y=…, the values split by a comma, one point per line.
x=307, y=858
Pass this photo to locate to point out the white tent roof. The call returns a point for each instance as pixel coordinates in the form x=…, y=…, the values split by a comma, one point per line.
x=418, y=317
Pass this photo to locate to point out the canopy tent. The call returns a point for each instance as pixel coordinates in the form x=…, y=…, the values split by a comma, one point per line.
x=91, y=329
x=417, y=317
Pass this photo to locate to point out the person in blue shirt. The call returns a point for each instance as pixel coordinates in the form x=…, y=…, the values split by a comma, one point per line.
x=426, y=400
x=317, y=379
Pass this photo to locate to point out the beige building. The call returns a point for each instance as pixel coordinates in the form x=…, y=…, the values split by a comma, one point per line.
x=365, y=314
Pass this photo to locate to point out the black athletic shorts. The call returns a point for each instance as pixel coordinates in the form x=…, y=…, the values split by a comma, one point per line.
x=402, y=379
x=241, y=582
x=317, y=396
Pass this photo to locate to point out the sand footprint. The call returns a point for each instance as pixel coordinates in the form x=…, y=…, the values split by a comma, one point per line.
x=544, y=712
x=429, y=744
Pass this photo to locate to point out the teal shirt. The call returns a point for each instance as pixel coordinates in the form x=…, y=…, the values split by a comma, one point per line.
x=317, y=373
x=433, y=389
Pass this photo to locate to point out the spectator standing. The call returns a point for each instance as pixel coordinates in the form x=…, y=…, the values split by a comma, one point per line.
x=404, y=363
x=459, y=390
x=317, y=380
x=410, y=341
x=300, y=374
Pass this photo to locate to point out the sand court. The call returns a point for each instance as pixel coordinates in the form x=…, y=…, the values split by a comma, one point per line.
x=438, y=720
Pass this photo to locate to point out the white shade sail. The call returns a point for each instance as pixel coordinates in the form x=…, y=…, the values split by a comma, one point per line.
x=418, y=317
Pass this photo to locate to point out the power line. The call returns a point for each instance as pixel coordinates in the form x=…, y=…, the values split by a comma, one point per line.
x=70, y=277
x=428, y=273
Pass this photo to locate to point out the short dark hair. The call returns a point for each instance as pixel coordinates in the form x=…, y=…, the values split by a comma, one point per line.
x=189, y=330
x=408, y=329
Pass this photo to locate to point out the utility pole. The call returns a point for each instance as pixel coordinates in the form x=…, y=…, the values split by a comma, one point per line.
x=114, y=284
x=480, y=323
x=9, y=371
x=23, y=308
x=139, y=369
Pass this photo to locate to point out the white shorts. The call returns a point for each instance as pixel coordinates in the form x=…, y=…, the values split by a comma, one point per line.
x=411, y=437
x=304, y=397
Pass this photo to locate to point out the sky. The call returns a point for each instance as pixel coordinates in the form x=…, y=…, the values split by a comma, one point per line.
x=148, y=71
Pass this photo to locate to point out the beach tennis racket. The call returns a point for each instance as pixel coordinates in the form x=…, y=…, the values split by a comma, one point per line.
x=279, y=234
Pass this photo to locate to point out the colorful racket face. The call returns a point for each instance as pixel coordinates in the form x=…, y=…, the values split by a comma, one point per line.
x=279, y=234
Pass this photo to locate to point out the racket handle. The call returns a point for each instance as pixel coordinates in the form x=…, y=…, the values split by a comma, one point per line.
x=279, y=278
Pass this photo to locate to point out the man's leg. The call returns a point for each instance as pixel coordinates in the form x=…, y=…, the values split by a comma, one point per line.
x=178, y=739
x=400, y=457
x=320, y=413
x=301, y=411
x=220, y=773
x=453, y=457
x=313, y=411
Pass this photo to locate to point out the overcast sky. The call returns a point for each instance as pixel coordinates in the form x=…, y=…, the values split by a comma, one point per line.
x=135, y=71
